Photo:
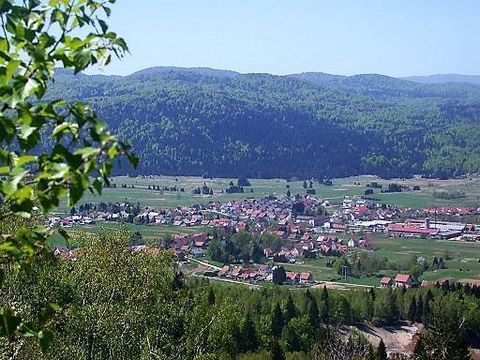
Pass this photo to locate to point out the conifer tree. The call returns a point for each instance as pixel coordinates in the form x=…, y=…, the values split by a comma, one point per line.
x=419, y=310
x=370, y=353
x=313, y=313
x=290, y=310
x=276, y=321
x=325, y=306
x=276, y=351
x=412, y=309
x=211, y=297
x=248, y=335
x=381, y=351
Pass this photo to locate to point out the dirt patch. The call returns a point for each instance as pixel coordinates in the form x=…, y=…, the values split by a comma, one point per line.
x=332, y=285
x=398, y=339
x=476, y=354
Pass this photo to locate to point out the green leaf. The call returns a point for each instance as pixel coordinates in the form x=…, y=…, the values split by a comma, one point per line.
x=103, y=25
x=45, y=338
x=82, y=59
x=64, y=233
x=9, y=323
x=25, y=159
x=30, y=88
x=78, y=186
x=12, y=66
x=98, y=185
x=5, y=6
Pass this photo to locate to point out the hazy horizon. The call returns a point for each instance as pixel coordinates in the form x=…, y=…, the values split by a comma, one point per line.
x=100, y=72
x=396, y=39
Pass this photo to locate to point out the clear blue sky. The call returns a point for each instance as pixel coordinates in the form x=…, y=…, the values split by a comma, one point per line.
x=392, y=37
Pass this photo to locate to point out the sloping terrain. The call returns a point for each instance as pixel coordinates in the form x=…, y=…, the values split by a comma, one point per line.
x=222, y=123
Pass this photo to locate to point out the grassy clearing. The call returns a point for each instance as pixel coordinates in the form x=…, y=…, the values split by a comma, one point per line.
x=263, y=187
x=149, y=232
x=462, y=260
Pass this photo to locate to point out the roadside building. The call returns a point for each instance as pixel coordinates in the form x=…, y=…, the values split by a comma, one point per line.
x=306, y=277
x=386, y=282
x=402, y=280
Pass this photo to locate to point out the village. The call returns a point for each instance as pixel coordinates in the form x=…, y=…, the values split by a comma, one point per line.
x=307, y=227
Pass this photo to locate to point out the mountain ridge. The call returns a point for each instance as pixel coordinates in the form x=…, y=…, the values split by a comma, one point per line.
x=221, y=123
x=423, y=79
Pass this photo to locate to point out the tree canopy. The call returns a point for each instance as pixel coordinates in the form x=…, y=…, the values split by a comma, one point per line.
x=200, y=121
x=50, y=149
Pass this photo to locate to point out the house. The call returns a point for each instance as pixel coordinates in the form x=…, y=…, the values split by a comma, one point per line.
x=352, y=243
x=246, y=274
x=201, y=237
x=292, y=277
x=306, y=277
x=197, y=252
x=236, y=272
x=268, y=252
x=403, y=280
x=386, y=282
x=410, y=230
x=224, y=271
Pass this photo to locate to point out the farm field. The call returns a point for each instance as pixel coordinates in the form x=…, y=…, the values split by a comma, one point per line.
x=263, y=187
x=462, y=260
x=149, y=232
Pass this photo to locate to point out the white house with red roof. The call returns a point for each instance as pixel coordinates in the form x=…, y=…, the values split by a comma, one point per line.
x=386, y=282
x=306, y=277
x=292, y=277
x=402, y=280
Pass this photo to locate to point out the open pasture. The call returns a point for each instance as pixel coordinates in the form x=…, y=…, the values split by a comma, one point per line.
x=461, y=258
x=148, y=232
x=262, y=187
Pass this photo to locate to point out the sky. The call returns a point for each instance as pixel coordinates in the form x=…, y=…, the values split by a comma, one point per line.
x=390, y=37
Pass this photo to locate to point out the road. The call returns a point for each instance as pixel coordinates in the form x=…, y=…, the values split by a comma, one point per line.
x=203, y=263
x=320, y=284
x=255, y=286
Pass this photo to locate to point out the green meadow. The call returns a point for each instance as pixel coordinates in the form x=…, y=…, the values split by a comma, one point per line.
x=462, y=260
x=352, y=186
x=148, y=232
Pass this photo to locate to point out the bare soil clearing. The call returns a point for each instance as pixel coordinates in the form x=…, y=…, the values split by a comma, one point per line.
x=398, y=339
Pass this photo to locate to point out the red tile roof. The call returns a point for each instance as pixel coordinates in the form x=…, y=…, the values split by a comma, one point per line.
x=306, y=276
x=385, y=280
x=402, y=278
x=291, y=275
x=411, y=229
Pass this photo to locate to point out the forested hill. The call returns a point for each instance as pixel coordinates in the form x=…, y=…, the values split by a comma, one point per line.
x=221, y=123
x=446, y=78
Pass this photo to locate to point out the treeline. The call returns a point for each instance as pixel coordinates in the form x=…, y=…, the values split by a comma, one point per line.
x=114, y=304
x=243, y=246
x=368, y=264
x=194, y=122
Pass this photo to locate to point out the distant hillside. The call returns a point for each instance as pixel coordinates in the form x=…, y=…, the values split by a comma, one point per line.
x=445, y=78
x=221, y=123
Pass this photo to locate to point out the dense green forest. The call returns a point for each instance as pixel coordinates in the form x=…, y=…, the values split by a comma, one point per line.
x=114, y=304
x=221, y=123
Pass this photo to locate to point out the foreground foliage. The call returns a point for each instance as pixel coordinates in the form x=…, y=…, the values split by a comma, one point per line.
x=37, y=36
x=120, y=304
